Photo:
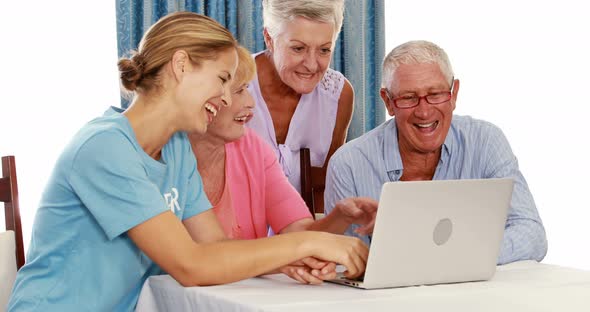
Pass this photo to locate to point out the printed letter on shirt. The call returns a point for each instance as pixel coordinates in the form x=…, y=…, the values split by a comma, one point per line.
x=172, y=200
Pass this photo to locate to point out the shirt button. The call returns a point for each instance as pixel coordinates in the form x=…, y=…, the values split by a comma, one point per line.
x=397, y=171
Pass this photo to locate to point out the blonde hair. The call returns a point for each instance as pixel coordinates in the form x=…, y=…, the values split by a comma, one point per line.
x=415, y=52
x=201, y=37
x=277, y=12
x=246, y=68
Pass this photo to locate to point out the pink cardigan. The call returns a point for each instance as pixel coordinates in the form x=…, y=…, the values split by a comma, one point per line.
x=261, y=195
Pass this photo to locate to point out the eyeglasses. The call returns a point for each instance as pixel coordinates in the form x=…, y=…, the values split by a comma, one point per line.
x=412, y=100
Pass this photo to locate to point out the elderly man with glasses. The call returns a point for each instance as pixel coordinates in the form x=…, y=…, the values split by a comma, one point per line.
x=425, y=141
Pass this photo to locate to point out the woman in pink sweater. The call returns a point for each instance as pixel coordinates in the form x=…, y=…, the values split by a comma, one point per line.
x=247, y=187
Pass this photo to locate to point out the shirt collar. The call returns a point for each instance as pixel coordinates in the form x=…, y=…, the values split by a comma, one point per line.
x=393, y=159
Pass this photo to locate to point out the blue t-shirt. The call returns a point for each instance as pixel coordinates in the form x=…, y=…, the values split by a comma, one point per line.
x=80, y=257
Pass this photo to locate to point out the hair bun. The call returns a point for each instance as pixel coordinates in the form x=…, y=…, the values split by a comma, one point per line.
x=131, y=71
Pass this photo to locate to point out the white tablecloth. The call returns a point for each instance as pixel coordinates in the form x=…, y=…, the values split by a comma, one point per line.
x=521, y=286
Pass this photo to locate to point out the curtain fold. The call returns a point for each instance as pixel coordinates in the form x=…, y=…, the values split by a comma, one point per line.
x=358, y=53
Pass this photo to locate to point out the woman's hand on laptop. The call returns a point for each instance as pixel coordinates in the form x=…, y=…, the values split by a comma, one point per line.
x=358, y=210
x=310, y=270
x=348, y=251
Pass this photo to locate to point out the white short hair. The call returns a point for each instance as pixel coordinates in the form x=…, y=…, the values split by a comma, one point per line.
x=415, y=52
x=275, y=13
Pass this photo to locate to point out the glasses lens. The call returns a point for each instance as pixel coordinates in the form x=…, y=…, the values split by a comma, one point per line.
x=404, y=102
x=439, y=97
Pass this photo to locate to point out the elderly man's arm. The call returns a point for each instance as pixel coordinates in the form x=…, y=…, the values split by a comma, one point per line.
x=339, y=186
x=348, y=214
x=524, y=234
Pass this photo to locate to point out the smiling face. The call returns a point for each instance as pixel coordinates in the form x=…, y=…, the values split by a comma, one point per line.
x=421, y=129
x=301, y=52
x=230, y=123
x=204, y=89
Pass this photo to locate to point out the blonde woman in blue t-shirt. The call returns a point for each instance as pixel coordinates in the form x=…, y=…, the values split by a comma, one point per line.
x=126, y=199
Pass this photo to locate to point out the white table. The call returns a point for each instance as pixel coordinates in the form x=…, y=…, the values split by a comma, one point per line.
x=521, y=286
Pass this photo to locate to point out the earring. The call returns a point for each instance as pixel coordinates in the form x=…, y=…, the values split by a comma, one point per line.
x=183, y=69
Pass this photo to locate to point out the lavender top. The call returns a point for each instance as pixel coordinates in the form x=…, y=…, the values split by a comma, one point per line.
x=311, y=126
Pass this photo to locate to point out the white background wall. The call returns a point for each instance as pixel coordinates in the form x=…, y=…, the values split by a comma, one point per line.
x=58, y=71
x=523, y=65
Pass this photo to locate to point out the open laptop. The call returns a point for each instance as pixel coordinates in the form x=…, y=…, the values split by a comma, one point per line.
x=432, y=232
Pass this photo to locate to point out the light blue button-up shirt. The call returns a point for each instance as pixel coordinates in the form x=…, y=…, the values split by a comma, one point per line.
x=473, y=149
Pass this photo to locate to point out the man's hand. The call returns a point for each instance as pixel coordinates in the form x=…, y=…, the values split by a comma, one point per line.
x=310, y=271
x=359, y=210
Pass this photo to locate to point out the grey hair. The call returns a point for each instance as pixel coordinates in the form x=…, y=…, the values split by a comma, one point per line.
x=415, y=52
x=277, y=12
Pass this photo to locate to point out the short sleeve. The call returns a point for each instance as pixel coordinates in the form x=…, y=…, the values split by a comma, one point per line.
x=332, y=83
x=111, y=181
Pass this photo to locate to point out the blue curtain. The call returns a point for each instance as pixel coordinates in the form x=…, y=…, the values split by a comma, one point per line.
x=358, y=52
x=358, y=55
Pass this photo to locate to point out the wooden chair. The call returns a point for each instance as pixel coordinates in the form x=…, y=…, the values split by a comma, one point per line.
x=9, y=195
x=312, y=191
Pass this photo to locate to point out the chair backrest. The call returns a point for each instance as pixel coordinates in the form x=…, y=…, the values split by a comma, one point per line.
x=312, y=190
x=9, y=195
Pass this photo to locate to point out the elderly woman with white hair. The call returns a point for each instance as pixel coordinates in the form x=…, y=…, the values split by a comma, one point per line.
x=300, y=101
